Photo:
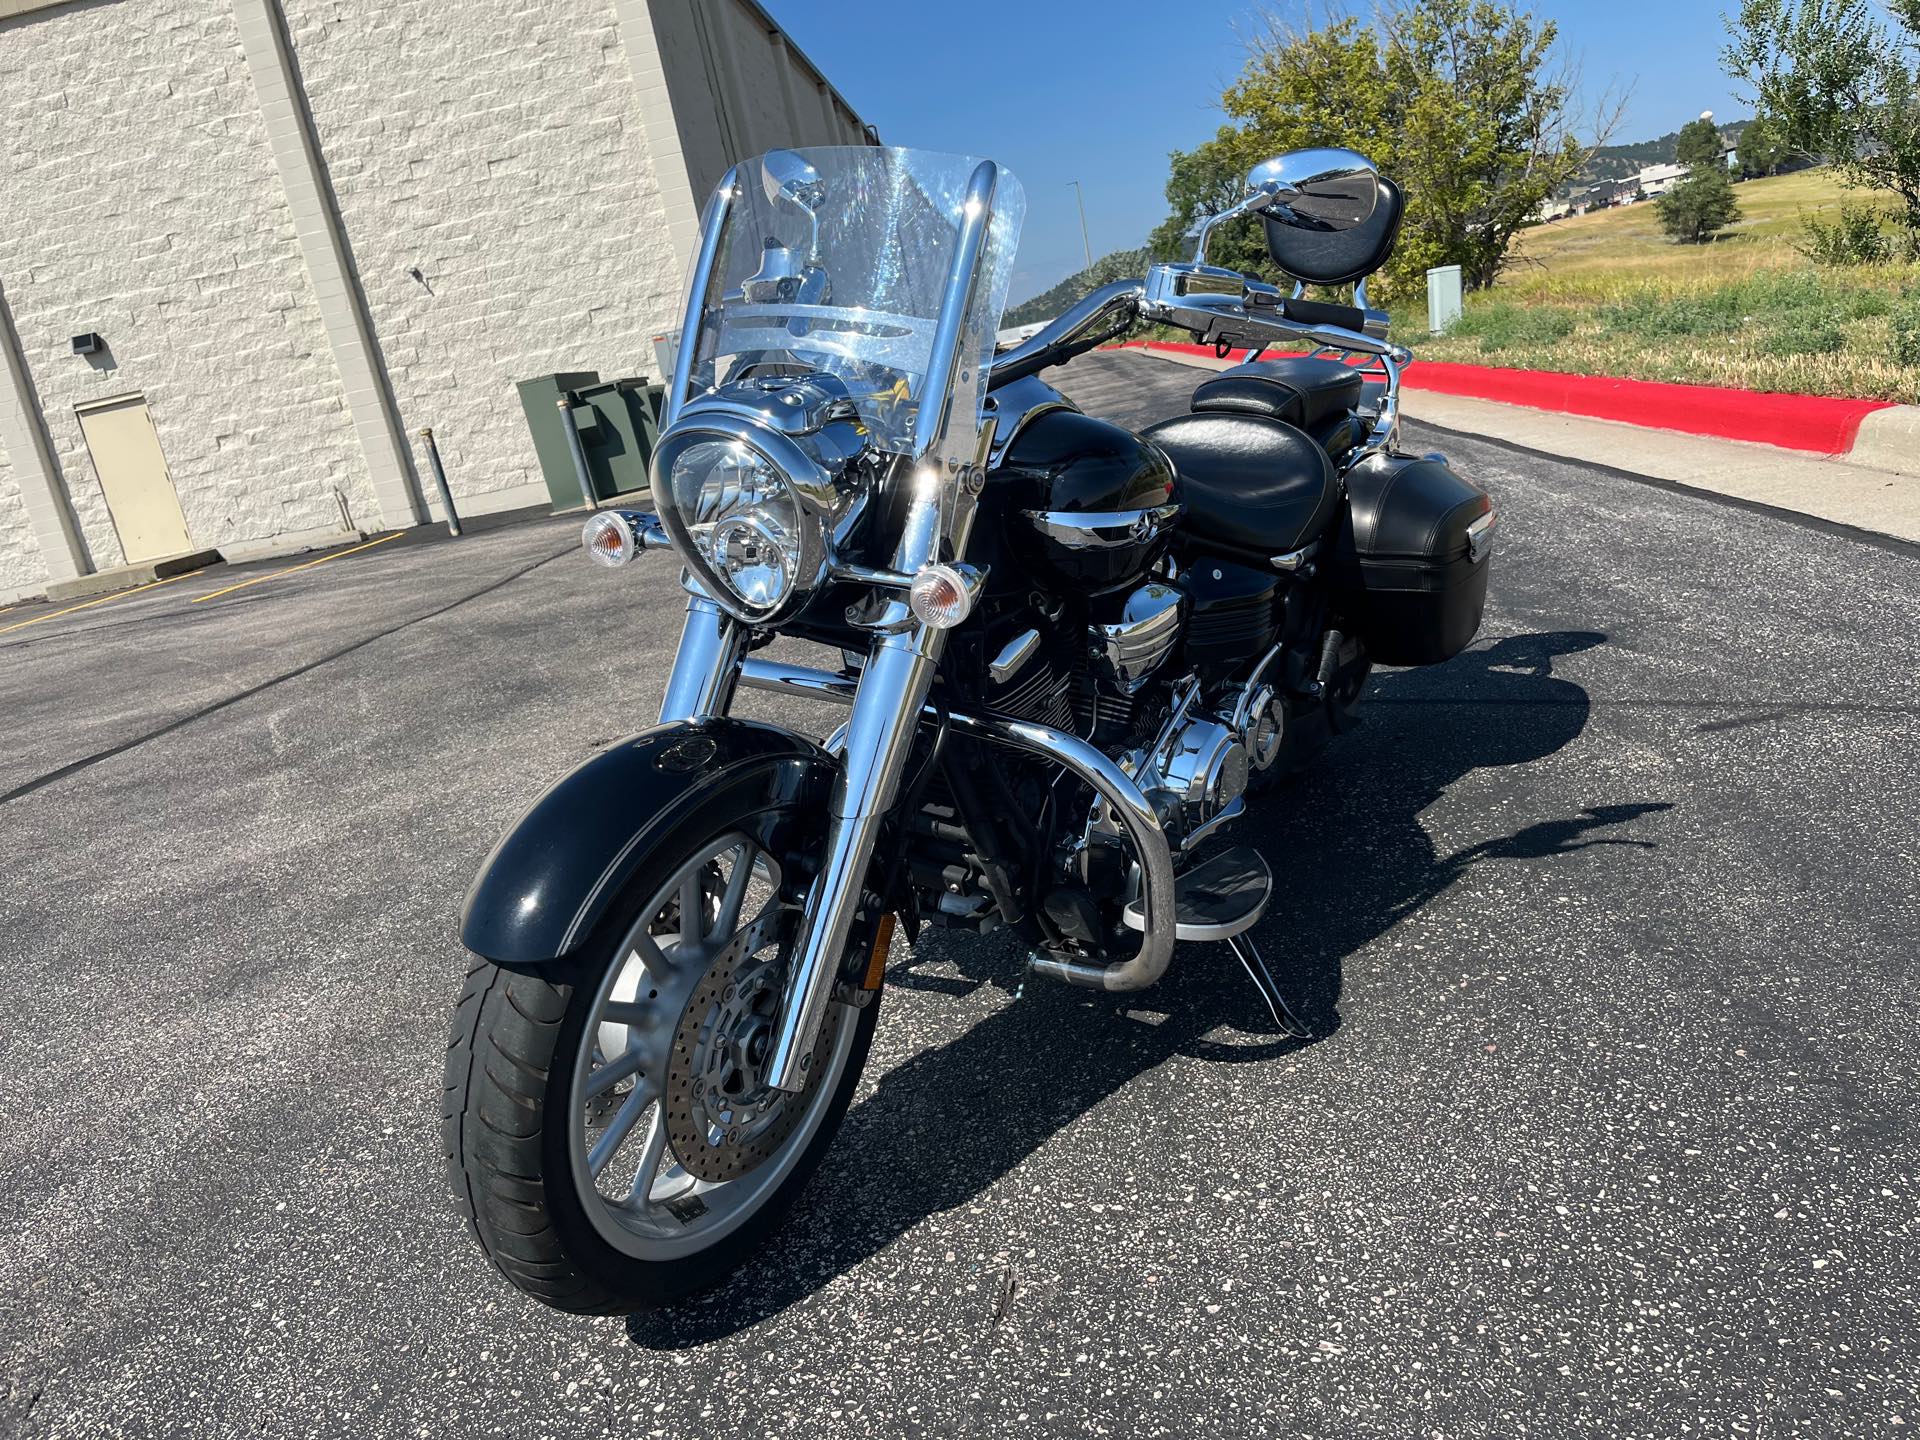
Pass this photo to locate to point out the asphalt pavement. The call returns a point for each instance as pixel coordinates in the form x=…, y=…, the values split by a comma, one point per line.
x=1608, y=929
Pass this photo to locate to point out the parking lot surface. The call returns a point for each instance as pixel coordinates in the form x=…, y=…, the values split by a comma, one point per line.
x=1607, y=928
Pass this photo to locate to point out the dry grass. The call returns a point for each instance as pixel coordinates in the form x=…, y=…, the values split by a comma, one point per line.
x=1609, y=294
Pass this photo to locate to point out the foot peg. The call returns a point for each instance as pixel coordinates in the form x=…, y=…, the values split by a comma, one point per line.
x=1256, y=968
x=1216, y=899
x=1222, y=899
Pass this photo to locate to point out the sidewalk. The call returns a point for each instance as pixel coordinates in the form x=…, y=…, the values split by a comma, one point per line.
x=1843, y=492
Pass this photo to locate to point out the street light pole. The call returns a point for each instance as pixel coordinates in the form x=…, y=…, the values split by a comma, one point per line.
x=1085, y=244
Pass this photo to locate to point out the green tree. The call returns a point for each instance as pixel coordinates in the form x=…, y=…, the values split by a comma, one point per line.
x=1762, y=149
x=1840, y=77
x=1699, y=144
x=1699, y=205
x=1704, y=202
x=1204, y=181
x=1458, y=100
x=1485, y=128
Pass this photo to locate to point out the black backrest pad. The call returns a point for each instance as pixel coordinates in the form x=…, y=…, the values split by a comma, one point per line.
x=1235, y=392
x=1296, y=389
x=1344, y=256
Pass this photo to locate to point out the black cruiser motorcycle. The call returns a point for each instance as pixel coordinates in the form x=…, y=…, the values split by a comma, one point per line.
x=1073, y=657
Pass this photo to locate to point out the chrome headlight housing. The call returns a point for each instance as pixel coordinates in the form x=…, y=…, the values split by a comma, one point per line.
x=749, y=510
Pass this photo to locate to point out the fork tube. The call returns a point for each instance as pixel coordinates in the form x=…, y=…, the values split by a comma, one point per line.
x=706, y=665
x=886, y=714
x=895, y=680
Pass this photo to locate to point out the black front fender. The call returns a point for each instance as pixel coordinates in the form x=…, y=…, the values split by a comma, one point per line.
x=553, y=875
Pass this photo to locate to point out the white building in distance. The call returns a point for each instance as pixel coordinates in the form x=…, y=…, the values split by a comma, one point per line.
x=249, y=248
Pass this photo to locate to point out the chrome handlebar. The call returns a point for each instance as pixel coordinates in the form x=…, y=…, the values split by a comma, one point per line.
x=1225, y=307
x=1106, y=314
x=1218, y=306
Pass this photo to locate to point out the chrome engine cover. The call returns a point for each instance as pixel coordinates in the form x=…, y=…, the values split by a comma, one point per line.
x=1203, y=767
x=1261, y=718
x=1126, y=652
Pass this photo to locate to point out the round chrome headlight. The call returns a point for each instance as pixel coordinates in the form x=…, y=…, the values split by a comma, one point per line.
x=734, y=501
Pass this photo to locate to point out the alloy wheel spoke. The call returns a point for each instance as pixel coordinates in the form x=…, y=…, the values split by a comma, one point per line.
x=616, y=1134
x=647, y=950
x=650, y=1157
x=693, y=906
x=614, y=1071
x=735, y=897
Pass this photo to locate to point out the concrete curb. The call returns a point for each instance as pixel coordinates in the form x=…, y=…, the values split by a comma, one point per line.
x=297, y=544
x=1841, y=490
x=121, y=577
x=1889, y=440
x=1878, y=434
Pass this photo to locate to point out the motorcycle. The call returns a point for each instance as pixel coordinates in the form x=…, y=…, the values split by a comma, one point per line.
x=1073, y=656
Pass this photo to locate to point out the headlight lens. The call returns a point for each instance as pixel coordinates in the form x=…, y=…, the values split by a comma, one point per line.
x=741, y=520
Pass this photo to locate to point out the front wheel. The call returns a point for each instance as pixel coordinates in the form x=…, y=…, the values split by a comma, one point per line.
x=608, y=1130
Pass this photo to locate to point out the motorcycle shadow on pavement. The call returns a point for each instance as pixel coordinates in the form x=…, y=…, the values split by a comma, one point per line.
x=1351, y=858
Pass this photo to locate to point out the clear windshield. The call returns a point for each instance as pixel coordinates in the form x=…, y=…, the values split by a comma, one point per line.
x=836, y=259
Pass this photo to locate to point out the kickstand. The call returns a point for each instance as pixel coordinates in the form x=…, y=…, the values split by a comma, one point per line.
x=1256, y=968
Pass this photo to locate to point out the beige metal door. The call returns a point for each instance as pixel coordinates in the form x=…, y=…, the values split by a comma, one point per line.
x=133, y=476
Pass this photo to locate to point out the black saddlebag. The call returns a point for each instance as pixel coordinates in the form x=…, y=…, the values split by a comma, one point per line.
x=1412, y=558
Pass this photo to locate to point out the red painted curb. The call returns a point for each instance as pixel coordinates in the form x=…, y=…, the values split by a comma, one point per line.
x=1819, y=423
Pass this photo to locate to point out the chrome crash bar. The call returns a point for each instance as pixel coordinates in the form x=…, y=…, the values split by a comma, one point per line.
x=1070, y=752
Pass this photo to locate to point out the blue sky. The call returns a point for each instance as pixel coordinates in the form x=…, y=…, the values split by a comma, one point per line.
x=1101, y=90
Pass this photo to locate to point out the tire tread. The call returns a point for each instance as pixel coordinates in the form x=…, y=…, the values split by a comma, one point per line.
x=494, y=1166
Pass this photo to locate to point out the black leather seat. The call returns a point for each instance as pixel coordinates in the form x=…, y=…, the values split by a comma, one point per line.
x=1251, y=484
x=1297, y=389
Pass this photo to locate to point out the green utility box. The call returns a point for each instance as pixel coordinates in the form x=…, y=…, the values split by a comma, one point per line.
x=618, y=422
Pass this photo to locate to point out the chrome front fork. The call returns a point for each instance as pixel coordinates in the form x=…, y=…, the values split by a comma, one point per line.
x=880, y=732
x=706, y=665
x=886, y=714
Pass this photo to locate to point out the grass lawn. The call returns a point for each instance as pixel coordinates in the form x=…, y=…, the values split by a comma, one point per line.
x=1608, y=294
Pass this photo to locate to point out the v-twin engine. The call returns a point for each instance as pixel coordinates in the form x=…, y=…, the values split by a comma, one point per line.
x=1191, y=738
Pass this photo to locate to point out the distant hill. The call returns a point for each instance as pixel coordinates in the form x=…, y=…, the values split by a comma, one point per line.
x=1621, y=162
x=1120, y=265
x=1609, y=162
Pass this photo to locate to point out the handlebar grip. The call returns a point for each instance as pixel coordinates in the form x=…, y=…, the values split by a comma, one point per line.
x=1316, y=312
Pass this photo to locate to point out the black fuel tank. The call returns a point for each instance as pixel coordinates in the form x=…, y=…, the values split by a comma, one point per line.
x=1088, y=502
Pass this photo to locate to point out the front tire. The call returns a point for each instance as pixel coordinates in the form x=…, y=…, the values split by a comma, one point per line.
x=604, y=1130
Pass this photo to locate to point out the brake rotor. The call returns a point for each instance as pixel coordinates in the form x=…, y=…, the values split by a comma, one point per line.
x=721, y=1117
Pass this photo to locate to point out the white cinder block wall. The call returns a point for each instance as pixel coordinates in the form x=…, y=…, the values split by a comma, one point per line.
x=138, y=200
x=502, y=156
x=538, y=163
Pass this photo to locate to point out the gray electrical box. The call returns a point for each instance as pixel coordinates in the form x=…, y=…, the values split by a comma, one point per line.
x=1443, y=298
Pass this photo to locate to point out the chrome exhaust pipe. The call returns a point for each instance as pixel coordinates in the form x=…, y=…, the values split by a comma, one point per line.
x=1108, y=780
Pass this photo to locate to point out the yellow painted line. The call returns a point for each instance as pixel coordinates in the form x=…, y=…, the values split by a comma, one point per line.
x=303, y=565
x=117, y=595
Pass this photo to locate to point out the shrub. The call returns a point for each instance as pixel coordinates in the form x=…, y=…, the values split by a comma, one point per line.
x=1699, y=205
x=1906, y=330
x=1805, y=336
x=1502, y=325
x=1852, y=237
